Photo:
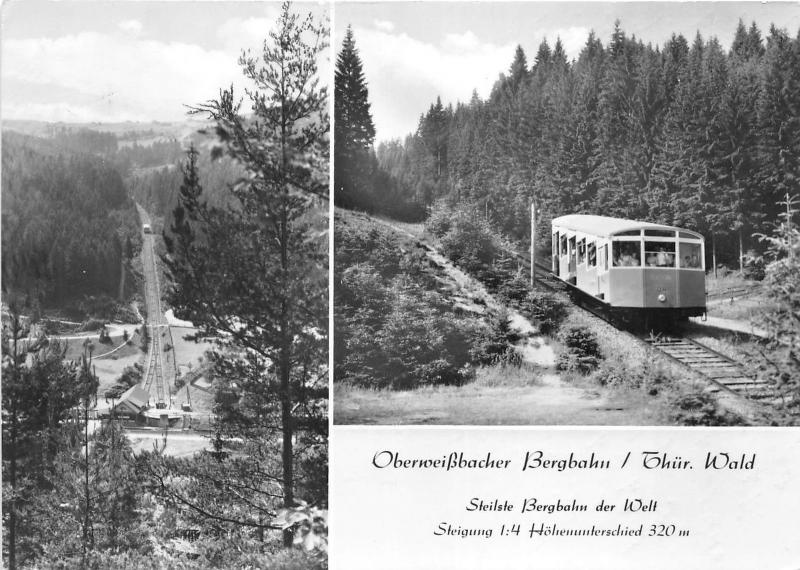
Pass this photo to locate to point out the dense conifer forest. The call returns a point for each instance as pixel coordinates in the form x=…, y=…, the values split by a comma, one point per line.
x=686, y=133
x=69, y=227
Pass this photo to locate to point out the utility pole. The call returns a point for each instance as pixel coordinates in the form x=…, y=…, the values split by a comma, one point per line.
x=533, y=239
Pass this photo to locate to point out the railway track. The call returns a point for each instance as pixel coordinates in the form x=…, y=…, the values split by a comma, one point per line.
x=154, y=379
x=715, y=366
x=722, y=372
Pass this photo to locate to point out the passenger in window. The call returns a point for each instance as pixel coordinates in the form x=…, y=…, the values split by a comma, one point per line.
x=629, y=260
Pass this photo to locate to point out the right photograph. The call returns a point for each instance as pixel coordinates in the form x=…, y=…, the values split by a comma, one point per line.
x=567, y=214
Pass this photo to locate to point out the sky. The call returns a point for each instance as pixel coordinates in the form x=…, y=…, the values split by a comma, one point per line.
x=413, y=52
x=106, y=61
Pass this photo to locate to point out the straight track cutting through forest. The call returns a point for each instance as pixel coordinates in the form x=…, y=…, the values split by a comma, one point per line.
x=154, y=377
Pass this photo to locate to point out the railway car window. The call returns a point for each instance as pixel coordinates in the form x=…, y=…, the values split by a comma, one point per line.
x=555, y=244
x=563, y=245
x=591, y=253
x=688, y=235
x=690, y=255
x=626, y=254
x=582, y=250
x=605, y=257
x=630, y=233
x=659, y=254
x=572, y=246
x=659, y=233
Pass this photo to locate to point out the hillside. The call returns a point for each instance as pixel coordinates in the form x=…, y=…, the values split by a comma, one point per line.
x=69, y=227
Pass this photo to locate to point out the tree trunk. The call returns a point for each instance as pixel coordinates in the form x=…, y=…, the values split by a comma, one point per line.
x=12, y=516
x=287, y=452
x=86, y=479
x=741, y=253
x=714, y=254
x=121, y=279
x=286, y=340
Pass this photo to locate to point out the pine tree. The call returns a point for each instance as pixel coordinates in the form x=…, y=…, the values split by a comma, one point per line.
x=519, y=68
x=782, y=288
x=252, y=273
x=354, y=131
x=39, y=390
x=778, y=111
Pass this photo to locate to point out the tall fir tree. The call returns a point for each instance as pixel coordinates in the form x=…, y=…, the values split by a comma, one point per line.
x=354, y=131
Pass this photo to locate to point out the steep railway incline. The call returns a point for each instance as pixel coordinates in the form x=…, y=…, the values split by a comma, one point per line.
x=737, y=389
x=156, y=374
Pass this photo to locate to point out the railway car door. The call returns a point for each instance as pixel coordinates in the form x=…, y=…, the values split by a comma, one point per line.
x=563, y=258
x=593, y=269
x=602, y=269
x=573, y=257
x=555, y=253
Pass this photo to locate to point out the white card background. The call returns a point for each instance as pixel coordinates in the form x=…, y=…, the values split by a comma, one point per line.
x=736, y=519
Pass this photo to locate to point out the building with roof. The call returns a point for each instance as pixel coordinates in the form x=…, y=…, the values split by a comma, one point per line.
x=132, y=402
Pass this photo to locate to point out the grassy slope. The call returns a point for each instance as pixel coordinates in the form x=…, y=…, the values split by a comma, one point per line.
x=503, y=395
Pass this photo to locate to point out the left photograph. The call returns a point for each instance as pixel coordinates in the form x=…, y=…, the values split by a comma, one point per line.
x=165, y=228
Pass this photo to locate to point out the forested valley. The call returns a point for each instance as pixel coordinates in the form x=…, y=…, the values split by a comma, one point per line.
x=196, y=439
x=70, y=229
x=71, y=233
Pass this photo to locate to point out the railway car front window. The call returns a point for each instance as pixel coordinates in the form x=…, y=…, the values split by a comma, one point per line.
x=626, y=254
x=591, y=253
x=581, y=251
x=659, y=254
x=660, y=233
x=690, y=256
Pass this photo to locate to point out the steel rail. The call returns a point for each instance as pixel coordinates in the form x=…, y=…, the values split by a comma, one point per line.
x=716, y=368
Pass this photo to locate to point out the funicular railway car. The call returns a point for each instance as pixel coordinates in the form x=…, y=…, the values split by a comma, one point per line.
x=638, y=270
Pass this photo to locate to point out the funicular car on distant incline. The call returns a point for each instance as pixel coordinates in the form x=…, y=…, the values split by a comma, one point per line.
x=637, y=270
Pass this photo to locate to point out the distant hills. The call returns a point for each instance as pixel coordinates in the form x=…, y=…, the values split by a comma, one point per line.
x=141, y=132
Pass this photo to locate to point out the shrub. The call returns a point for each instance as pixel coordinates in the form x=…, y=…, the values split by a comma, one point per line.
x=581, y=351
x=616, y=374
x=406, y=341
x=546, y=310
x=469, y=242
x=131, y=375
x=515, y=289
x=439, y=220
x=700, y=409
x=309, y=525
x=105, y=338
x=115, y=391
x=651, y=376
x=494, y=344
x=145, y=338
x=755, y=267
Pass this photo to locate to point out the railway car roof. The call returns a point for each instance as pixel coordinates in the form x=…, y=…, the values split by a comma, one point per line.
x=606, y=226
